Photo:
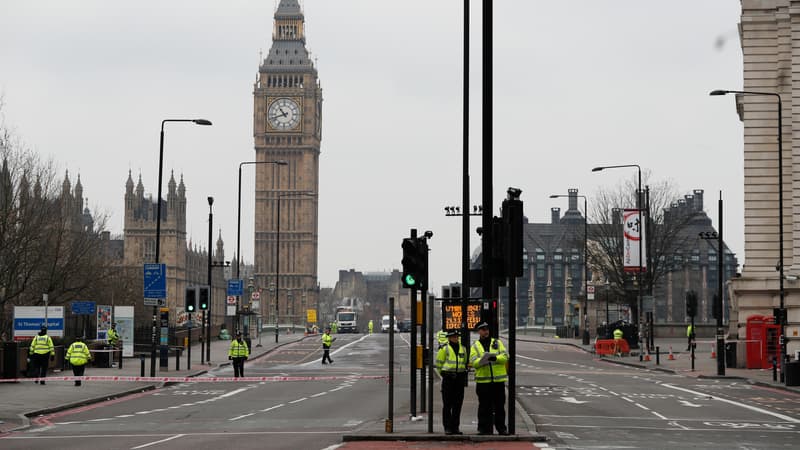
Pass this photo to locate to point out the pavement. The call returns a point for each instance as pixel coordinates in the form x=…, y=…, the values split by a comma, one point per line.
x=26, y=399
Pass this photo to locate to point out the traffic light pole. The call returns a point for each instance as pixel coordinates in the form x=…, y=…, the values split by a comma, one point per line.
x=413, y=358
x=719, y=302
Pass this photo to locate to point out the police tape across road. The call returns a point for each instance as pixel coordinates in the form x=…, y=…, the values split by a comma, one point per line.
x=197, y=379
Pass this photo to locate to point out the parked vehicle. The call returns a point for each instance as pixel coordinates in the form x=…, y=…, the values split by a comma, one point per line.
x=404, y=326
x=385, y=324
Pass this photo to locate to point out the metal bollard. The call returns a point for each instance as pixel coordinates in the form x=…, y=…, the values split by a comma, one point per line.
x=177, y=358
x=141, y=360
x=658, y=356
x=774, y=369
x=120, y=358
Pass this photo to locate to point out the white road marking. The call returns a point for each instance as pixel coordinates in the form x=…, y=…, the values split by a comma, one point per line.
x=319, y=394
x=572, y=400
x=298, y=400
x=742, y=405
x=658, y=415
x=158, y=442
x=272, y=407
x=688, y=403
x=242, y=416
x=642, y=406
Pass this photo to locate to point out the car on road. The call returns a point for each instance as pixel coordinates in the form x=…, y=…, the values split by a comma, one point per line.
x=404, y=326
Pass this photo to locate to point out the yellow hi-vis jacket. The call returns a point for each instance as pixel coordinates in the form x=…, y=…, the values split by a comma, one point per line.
x=441, y=337
x=42, y=345
x=493, y=371
x=327, y=340
x=112, y=336
x=448, y=360
x=238, y=349
x=78, y=354
x=617, y=334
x=689, y=331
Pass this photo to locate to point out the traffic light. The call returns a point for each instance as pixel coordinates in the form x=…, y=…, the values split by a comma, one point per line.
x=204, y=297
x=410, y=263
x=691, y=303
x=191, y=299
x=512, y=239
x=422, y=269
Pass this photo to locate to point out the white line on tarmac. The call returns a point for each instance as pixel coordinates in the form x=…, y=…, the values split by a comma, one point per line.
x=751, y=408
x=272, y=407
x=158, y=442
x=242, y=416
x=319, y=394
x=298, y=400
x=658, y=415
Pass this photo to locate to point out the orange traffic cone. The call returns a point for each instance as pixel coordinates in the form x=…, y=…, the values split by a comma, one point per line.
x=671, y=356
x=647, y=356
x=713, y=352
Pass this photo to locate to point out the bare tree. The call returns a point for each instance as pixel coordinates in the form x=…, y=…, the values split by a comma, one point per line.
x=44, y=245
x=665, y=233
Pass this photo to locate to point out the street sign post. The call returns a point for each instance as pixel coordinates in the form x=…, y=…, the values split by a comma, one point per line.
x=235, y=288
x=155, y=281
x=83, y=308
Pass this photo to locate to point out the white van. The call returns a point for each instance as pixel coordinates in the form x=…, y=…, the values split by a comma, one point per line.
x=385, y=324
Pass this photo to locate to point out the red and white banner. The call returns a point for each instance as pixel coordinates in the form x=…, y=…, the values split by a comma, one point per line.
x=197, y=379
x=633, y=233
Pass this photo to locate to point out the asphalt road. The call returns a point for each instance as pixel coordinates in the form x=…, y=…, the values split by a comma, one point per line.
x=310, y=413
x=582, y=402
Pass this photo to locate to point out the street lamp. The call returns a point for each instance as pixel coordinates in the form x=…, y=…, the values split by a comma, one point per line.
x=782, y=311
x=641, y=235
x=277, y=253
x=158, y=227
x=585, y=340
x=239, y=229
x=208, y=325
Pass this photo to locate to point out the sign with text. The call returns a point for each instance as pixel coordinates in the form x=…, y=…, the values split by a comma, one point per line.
x=155, y=280
x=452, y=318
x=28, y=320
x=235, y=288
x=83, y=308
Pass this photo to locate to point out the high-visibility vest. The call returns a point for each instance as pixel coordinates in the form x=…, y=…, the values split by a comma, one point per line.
x=112, y=336
x=617, y=334
x=327, y=339
x=689, y=331
x=78, y=354
x=238, y=349
x=448, y=360
x=441, y=337
x=42, y=345
x=494, y=371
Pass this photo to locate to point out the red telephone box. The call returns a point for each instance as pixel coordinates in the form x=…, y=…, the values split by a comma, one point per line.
x=763, y=342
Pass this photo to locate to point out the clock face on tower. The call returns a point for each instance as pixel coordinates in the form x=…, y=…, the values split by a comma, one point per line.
x=283, y=114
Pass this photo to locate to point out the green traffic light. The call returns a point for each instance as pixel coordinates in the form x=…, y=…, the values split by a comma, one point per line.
x=410, y=280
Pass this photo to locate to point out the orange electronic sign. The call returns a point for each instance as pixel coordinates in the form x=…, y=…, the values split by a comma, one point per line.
x=451, y=314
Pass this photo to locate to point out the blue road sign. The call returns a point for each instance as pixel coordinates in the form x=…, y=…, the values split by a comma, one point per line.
x=155, y=280
x=235, y=287
x=83, y=308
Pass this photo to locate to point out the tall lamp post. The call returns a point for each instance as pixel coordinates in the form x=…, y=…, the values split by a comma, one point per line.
x=239, y=228
x=585, y=340
x=158, y=228
x=277, y=253
x=782, y=311
x=639, y=275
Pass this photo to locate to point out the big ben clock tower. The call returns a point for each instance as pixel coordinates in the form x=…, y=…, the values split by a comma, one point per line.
x=287, y=126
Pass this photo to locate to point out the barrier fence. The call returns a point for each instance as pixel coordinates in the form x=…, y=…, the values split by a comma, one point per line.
x=199, y=379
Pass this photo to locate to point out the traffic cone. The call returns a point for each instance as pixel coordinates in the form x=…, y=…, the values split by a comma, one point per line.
x=713, y=352
x=671, y=356
x=647, y=356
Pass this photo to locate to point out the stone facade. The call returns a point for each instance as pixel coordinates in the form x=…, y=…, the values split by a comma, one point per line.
x=770, y=39
x=186, y=264
x=287, y=126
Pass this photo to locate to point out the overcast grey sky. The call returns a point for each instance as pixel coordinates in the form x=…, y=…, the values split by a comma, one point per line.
x=577, y=83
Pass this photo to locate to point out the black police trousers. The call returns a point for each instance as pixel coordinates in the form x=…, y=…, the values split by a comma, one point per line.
x=491, y=407
x=452, y=400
